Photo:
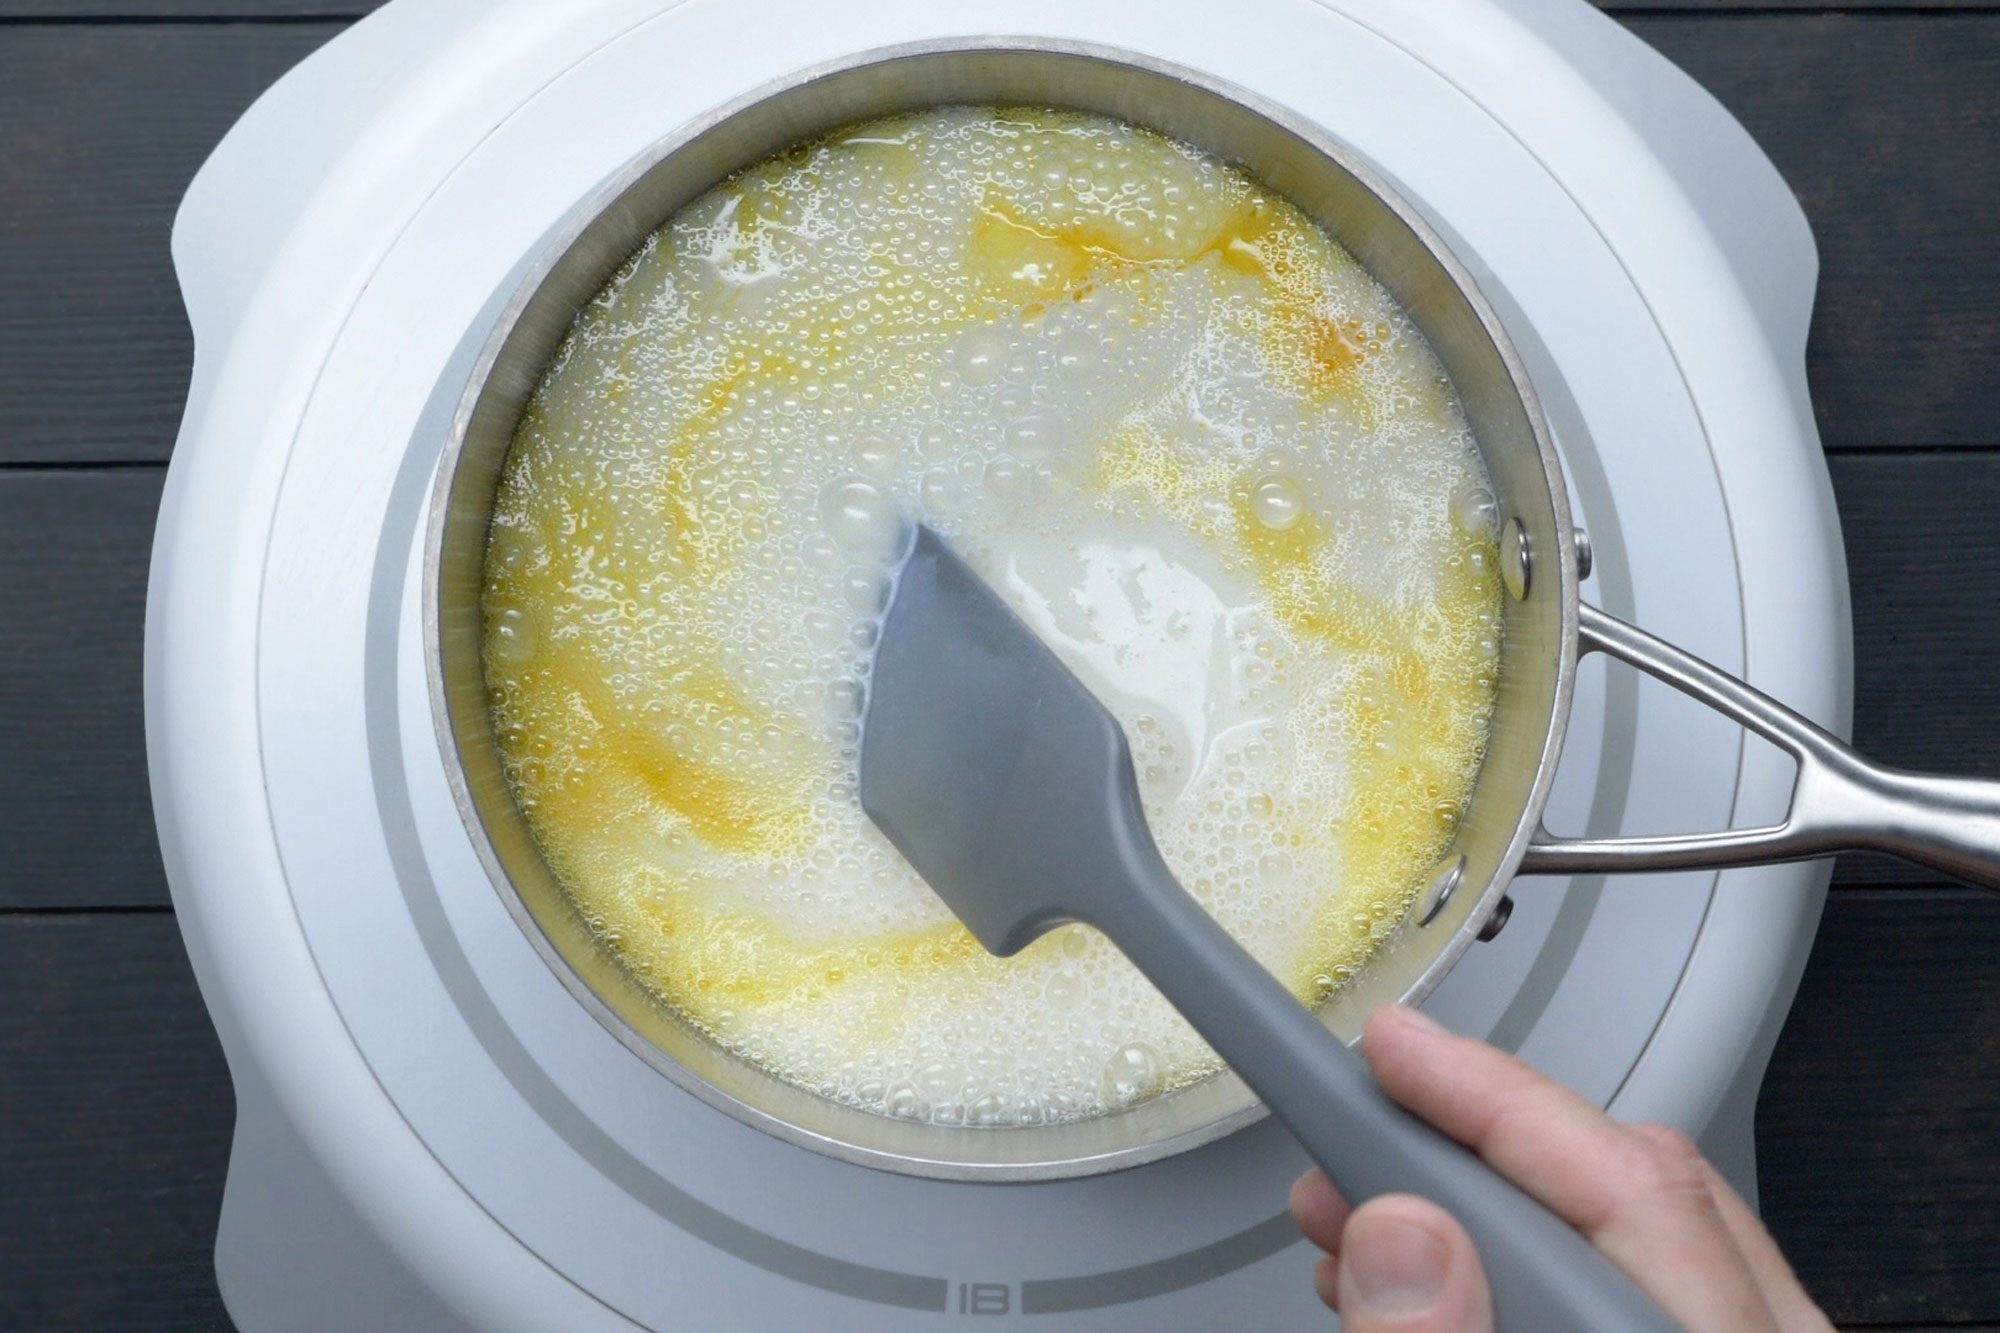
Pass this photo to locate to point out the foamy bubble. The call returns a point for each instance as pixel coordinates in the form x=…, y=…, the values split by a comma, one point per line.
x=1132, y=1074
x=512, y=638
x=865, y=589
x=877, y=458
x=981, y=357
x=1032, y=437
x=1112, y=409
x=1473, y=507
x=862, y=520
x=1278, y=503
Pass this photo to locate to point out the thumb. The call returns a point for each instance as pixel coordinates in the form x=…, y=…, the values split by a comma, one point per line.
x=1406, y=1266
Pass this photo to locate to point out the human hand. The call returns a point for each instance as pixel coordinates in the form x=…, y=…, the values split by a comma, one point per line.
x=1642, y=1194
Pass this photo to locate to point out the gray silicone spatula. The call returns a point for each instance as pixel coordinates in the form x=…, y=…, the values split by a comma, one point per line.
x=1010, y=789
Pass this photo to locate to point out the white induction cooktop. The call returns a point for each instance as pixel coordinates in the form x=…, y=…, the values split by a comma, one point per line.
x=433, y=1134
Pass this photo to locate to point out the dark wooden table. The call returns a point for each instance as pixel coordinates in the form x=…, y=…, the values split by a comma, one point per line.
x=1879, y=1130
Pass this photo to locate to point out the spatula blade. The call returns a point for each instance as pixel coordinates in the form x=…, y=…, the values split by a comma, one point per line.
x=991, y=767
x=1010, y=788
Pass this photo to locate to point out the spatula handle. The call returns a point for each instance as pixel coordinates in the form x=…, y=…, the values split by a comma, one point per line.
x=1545, y=1277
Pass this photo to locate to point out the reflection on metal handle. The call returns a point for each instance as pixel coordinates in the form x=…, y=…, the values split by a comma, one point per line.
x=1840, y=802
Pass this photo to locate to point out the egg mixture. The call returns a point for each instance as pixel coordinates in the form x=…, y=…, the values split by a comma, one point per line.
x=1200, y=451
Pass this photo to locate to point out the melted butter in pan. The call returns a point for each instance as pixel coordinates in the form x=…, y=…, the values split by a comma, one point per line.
x=1182, y=432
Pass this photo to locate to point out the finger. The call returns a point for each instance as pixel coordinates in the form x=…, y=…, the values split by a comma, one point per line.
x=1319, y=1210
x=1794, y=1310
x=1640, y=1198
x=1405, y=1266
x=1326, y=1281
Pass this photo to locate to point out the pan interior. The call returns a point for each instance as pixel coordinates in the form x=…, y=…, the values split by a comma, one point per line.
x=1294, y=162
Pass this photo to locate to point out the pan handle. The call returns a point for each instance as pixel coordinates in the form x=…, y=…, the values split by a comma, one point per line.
x=1840, y=802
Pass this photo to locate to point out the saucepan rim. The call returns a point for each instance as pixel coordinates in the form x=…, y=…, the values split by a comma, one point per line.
x=1176, y=1121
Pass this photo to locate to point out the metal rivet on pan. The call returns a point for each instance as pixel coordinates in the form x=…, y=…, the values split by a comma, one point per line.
x=1514, y=563
x=1583, y=557
x=1497, y=922
x=1440, y=891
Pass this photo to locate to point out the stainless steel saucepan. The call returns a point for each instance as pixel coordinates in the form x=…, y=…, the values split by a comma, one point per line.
x=1840, y=801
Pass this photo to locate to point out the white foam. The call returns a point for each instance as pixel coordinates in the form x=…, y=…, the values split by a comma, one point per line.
x=1186, y=437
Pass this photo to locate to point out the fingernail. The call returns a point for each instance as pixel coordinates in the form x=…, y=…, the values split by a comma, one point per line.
x=1392, y=1268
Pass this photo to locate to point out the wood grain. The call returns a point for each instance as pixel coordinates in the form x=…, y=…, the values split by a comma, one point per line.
x=1741, y=8
x=1923, y=559
x=1878, y=1140
x=1922, y=533
x=280, y=10
x=73, y=11
x=1897, y=180
x=74, y=546
x=1879, y=1135
x=75, y=814
x=1888, y=128
x=1879, y=1132
x=104, y=127
x=115, y=1115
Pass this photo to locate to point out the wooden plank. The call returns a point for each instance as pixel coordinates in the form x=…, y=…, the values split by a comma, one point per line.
x=278, y=10
x=105, y=126
x=1879, y=1139
x=1885, y=125
x=74, y=546
x=115, y=1115
x=184, y=10
x=1895, y=176
x=1877, y=1127
x=1923, y=556
x=1739, y=8
x=75, y=814
x=1878, y=1133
